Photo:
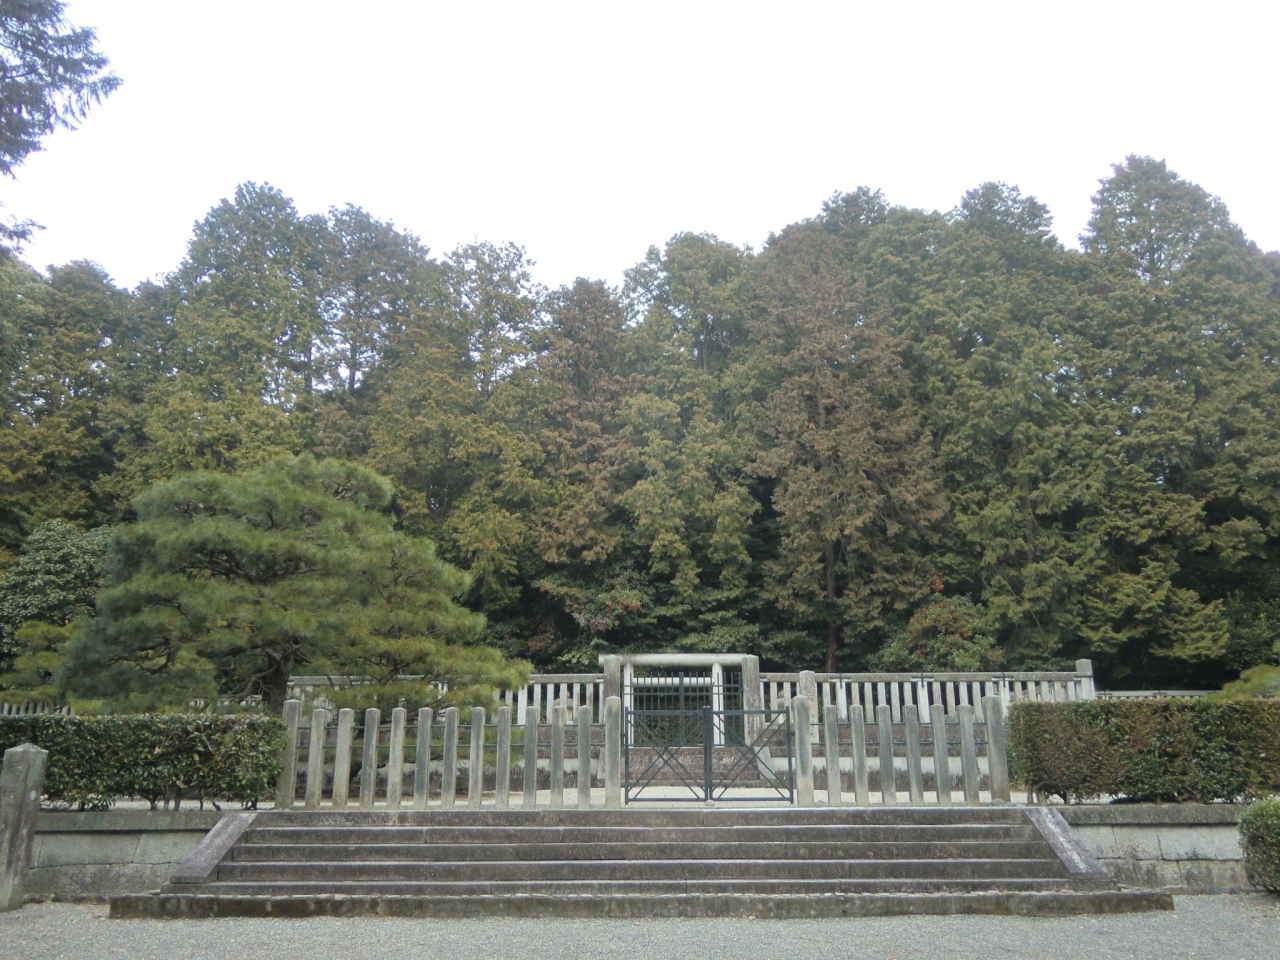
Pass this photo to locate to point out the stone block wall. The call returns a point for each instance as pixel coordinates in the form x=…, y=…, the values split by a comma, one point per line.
x=92, y=855
x=1181, y=848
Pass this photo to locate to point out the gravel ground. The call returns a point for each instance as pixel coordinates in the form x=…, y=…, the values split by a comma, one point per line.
x=1232, y=927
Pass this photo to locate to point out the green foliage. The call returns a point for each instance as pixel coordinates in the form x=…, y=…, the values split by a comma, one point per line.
x=1261, y=682
x=946, y=634
x=54, y=581
x=226, y=584
x=1260, y=838
x=785, y=451
x=50, y=74
x=39, y=650
x=94, y=761
x=1162, y=750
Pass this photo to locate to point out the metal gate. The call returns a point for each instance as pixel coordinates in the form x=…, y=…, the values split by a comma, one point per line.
x=704, y=754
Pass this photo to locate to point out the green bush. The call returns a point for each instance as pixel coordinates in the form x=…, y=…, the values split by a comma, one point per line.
x=1260, y=837
x=94, y=761
x=1163, y=750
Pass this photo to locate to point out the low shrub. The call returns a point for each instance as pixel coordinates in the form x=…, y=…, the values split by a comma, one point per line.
x=1162, y=750
x=1260, y=838
x=94, y=761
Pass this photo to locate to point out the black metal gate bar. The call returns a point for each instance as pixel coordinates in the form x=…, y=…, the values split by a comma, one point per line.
x=749, y=739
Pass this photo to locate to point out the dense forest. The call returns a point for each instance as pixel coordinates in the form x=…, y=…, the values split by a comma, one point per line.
x=887, y=433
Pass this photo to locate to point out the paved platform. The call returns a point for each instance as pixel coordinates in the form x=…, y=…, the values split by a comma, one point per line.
x=1207, y=928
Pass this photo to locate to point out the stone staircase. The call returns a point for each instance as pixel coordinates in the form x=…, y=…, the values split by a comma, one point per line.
x=634, y=863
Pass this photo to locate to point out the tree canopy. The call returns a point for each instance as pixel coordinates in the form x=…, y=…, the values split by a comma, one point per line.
x=890, y=435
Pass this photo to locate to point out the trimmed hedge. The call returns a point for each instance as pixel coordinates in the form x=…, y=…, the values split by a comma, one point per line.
x=94, y=761
x=1162, y=750
x=1260, y=837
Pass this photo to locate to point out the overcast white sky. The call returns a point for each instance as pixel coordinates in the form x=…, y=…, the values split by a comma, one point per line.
x=588, y=131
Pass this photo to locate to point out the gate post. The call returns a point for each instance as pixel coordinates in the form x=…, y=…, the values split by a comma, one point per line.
x=804, y=751
x=612, y=676
x=21, y=781
x=613, y=753
x=751, y=698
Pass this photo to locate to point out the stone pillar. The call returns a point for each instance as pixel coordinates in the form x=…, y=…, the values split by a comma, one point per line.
x=968, y=753
x=915, y=771
x=287, y=785
x=808, y=687
x=941, y=756
x=612, y=676
x=422, y=760
x=888, y=777
x=342, y=758
x=858, y=726
x=395, y=759
x=475, y=761
x=584, y=757
x=369, y=758
x=1084, y=670
x=502, y=764
x=613, y=753
x=449, y=760
x=315, y=758
x=997, y=749
x=751, y=697
x=800, y=707
x=530, y=761
x=557, y=756
x=831, y=753
x=21, y=781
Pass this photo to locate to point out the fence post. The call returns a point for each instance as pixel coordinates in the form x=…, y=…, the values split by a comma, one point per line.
x=422, y=760
x=369, y=758
x=612, y=666
x=613, y=753
x=1084, y=670
x=888, y=772
x=915, y=772
x=804, y=751
x=315, y=757
x=342, y=759
x=21, y=781
x=287, y=785
x=449, y=765
x=941, y=754
x=858, y=727
x=475, y=764
x=968, y=753
x=997, y=750
x=530, y=761
x=557, y=756
x=808, y=687
x=831, y=754
x=584, y=757
x=395, y=759
x=502, y=763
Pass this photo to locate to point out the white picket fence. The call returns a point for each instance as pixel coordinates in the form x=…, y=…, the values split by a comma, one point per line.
x=951, y=690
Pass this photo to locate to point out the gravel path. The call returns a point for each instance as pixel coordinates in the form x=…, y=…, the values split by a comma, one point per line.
x=1210, y=927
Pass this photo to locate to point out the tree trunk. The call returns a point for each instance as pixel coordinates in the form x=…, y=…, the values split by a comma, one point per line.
x=833, y=625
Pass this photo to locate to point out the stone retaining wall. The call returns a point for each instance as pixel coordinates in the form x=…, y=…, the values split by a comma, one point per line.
x=92, y=855
x=1180, y=848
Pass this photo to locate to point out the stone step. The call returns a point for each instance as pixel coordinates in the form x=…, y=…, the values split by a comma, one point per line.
x=583, y=870
x=571, y=888
x=646, y=850
x=617, y=905
x=780, y=816
x=856, y=833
